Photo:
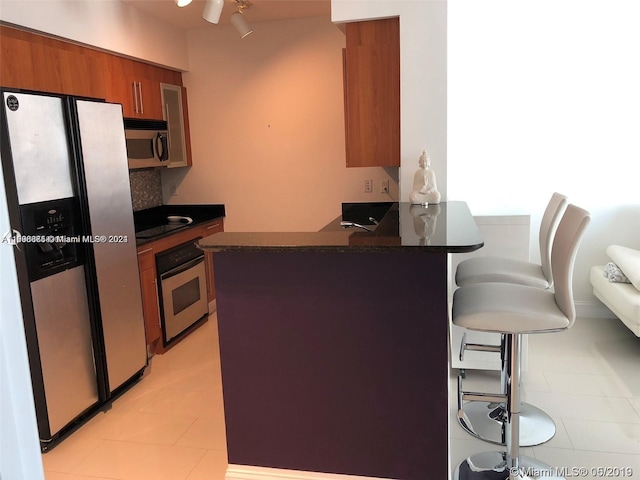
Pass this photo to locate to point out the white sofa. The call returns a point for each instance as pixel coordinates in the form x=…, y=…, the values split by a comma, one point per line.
x=619, y=289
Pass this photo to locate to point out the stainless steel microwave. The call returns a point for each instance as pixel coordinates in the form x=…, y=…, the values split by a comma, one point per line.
x=147, y=143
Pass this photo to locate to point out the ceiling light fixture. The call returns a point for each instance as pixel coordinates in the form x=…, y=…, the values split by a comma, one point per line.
x=183, y=3
x=238, y=20
x=212, y=10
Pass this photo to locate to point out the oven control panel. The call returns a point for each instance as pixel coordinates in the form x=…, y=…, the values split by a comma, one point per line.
x=178, y=255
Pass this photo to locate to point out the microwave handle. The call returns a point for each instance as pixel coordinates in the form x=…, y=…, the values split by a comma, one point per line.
x=162, y=151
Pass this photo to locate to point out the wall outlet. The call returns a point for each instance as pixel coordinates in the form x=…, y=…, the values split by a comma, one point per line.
x=368, y=185
x=384, y=185
x=173, y=189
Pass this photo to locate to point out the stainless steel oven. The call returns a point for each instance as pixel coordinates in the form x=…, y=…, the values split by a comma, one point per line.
x=182, y=289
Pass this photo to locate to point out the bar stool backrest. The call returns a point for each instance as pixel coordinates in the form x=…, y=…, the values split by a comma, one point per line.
x=548, y=226
x=563, y=255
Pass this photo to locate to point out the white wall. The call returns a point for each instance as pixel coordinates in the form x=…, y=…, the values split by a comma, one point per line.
x=540, y=97
x=267, y=127
x=19, y=448
x=109, y=24
x=544, y=97
x=423, y=83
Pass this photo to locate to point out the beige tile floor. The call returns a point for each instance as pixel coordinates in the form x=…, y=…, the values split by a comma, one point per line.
x=170, y=426
x=588, y=380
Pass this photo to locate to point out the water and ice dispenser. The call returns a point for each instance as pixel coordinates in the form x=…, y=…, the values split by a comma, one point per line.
x=51, y=228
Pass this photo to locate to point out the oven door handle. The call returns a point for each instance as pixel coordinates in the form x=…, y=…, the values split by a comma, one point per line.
x=185, y=266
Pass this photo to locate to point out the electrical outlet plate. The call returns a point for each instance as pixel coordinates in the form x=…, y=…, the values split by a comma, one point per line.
x=384, y=185
x=368, y=185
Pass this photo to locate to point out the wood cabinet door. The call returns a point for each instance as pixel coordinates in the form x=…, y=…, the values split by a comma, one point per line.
x=371, y=64
x=150, y=301
x=149, y=95
x=16, y=67
x=187, y=128
x=173, y=104
x=217, y=226
x=119, y=78
x=128, y=82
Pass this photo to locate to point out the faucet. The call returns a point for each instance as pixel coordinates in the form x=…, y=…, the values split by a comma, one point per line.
x=353, y=224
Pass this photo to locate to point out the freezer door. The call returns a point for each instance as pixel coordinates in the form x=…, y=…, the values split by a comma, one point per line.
x=66, y=350
x=39, y=147
x=106, y=173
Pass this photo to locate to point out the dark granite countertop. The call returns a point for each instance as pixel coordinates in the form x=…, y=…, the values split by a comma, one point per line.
x=154, y=220
x=446, y=227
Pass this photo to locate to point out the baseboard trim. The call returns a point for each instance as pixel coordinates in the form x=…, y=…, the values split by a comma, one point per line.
x=247, y=472
x=593, y=310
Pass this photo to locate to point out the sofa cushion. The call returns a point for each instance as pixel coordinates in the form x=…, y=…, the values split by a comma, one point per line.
x=628, y=260
x=621, y=298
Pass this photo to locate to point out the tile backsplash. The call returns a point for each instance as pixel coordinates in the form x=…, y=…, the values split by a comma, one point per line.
x=146, y=188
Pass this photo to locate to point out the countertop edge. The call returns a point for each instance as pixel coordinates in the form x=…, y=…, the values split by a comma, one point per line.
x=406, y=236
x=338, y=249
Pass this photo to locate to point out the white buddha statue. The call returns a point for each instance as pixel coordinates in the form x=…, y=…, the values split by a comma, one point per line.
x=425, y=189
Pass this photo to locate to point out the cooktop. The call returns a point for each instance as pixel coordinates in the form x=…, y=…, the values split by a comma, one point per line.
x=159, y=230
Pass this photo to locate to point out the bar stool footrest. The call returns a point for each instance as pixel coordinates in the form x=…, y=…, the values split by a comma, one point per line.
x=486, y=421
x=493, y=466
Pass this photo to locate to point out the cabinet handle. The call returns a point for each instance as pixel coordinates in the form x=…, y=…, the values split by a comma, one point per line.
x=141, y=101
x=135, y=97
x=213, y=226
x=145, y=250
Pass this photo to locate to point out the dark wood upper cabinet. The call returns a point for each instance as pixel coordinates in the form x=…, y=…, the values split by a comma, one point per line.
x=136, y=86
x=31, y=61
x=36, y=62
x=372, y=93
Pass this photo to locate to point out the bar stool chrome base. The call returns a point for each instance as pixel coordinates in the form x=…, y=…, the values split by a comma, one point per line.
x=485, y=420
x=493, y=466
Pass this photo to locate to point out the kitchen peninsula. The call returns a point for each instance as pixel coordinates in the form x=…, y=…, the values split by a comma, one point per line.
x=333, y=344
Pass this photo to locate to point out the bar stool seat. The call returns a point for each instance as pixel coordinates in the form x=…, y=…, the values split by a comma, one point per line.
x=515, y=310
x=507, y=308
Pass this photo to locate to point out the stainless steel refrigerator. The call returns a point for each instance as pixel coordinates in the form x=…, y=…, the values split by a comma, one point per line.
x=66, y=175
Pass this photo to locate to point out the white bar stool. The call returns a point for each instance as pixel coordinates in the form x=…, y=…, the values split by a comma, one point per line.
x=514, y=310
x=507, y=270
x=483, y=417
